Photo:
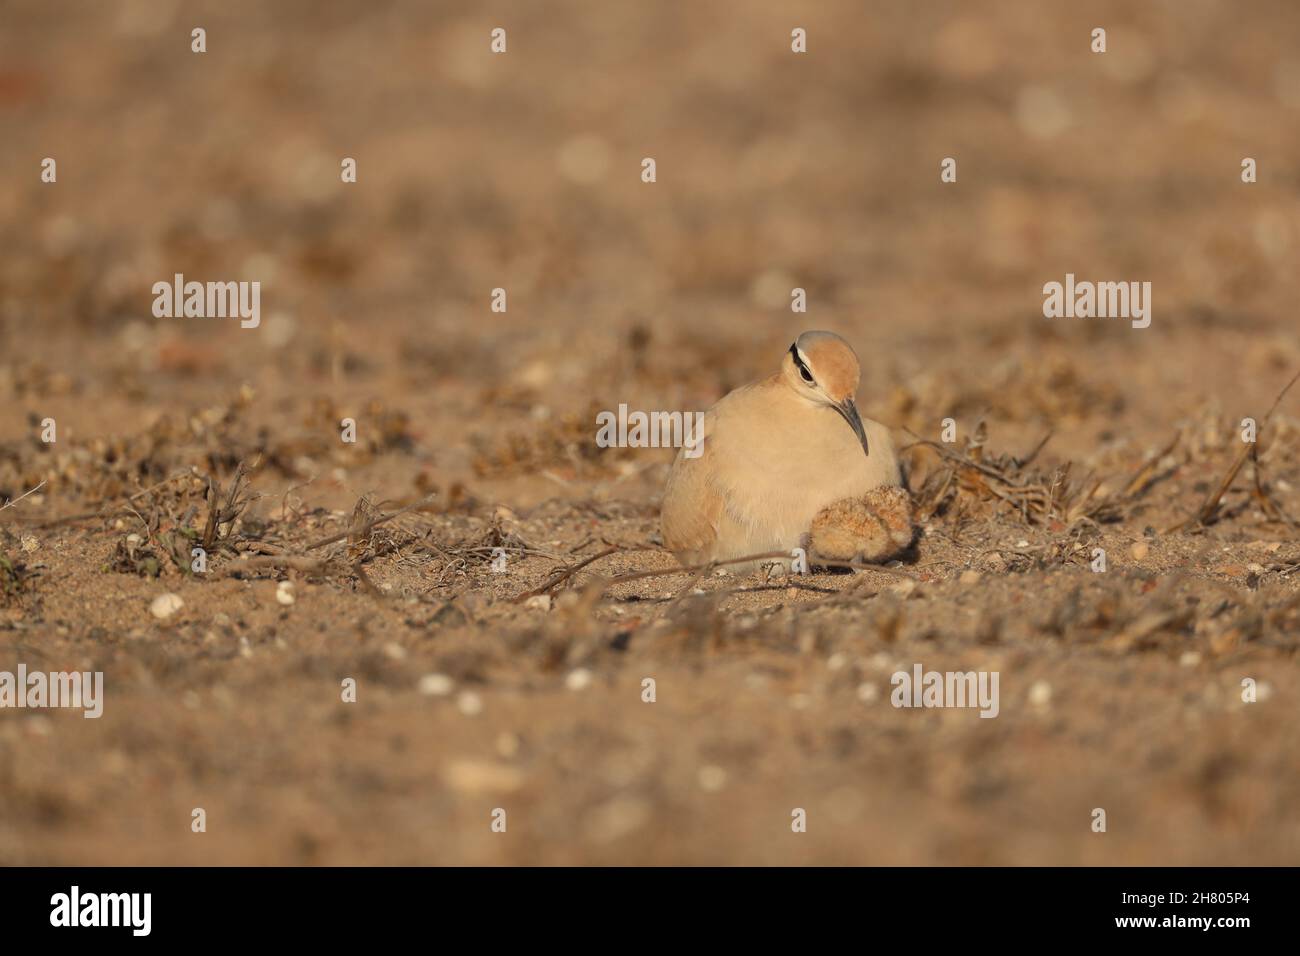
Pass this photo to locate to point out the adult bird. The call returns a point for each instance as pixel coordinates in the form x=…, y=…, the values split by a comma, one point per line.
x=788, y=462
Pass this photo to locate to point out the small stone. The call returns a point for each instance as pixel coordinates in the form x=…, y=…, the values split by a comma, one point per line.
x=469, y=703
x=394, y=651
x=284, y=593
x=868, y=693
x=436, y=685
x=1139, y=550
x=482, y=776
x=541, y=602
x=1189, y=659
x=969, y=576
x=579, y=679
x=712, y=778
x=1040, y=694
x=165, y=605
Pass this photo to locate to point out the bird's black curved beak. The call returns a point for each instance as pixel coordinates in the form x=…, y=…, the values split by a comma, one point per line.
x=850, y=413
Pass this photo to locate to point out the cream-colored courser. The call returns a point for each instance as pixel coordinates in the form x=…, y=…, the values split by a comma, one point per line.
x=787, y=462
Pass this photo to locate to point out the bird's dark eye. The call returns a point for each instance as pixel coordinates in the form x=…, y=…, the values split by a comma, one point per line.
x=803, y=369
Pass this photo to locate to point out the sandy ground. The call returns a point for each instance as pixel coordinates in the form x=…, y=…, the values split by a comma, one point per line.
x=1120, y=690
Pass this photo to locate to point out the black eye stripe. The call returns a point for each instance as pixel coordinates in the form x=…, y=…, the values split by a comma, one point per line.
x=803, y=369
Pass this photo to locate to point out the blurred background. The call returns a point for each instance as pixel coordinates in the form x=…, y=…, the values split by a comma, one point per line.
x=522, y=171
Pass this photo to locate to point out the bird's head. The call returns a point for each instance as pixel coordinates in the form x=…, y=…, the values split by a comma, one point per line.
x=823, y=370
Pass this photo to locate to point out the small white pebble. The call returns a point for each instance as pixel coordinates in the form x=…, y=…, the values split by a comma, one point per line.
x=284, y=593
x=165, y=605
x=469, y=703
x=579, y=679
x=837, y=661
x=436, y=685
x=1189, y=659
x=868, y=693
x=395, y=651
x=712, y=778
x=1040, y=694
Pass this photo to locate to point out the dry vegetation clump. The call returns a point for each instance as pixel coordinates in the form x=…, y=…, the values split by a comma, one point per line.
x=212, y=439
x=1053, y=389
x=16, y=578
x=564, y=445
